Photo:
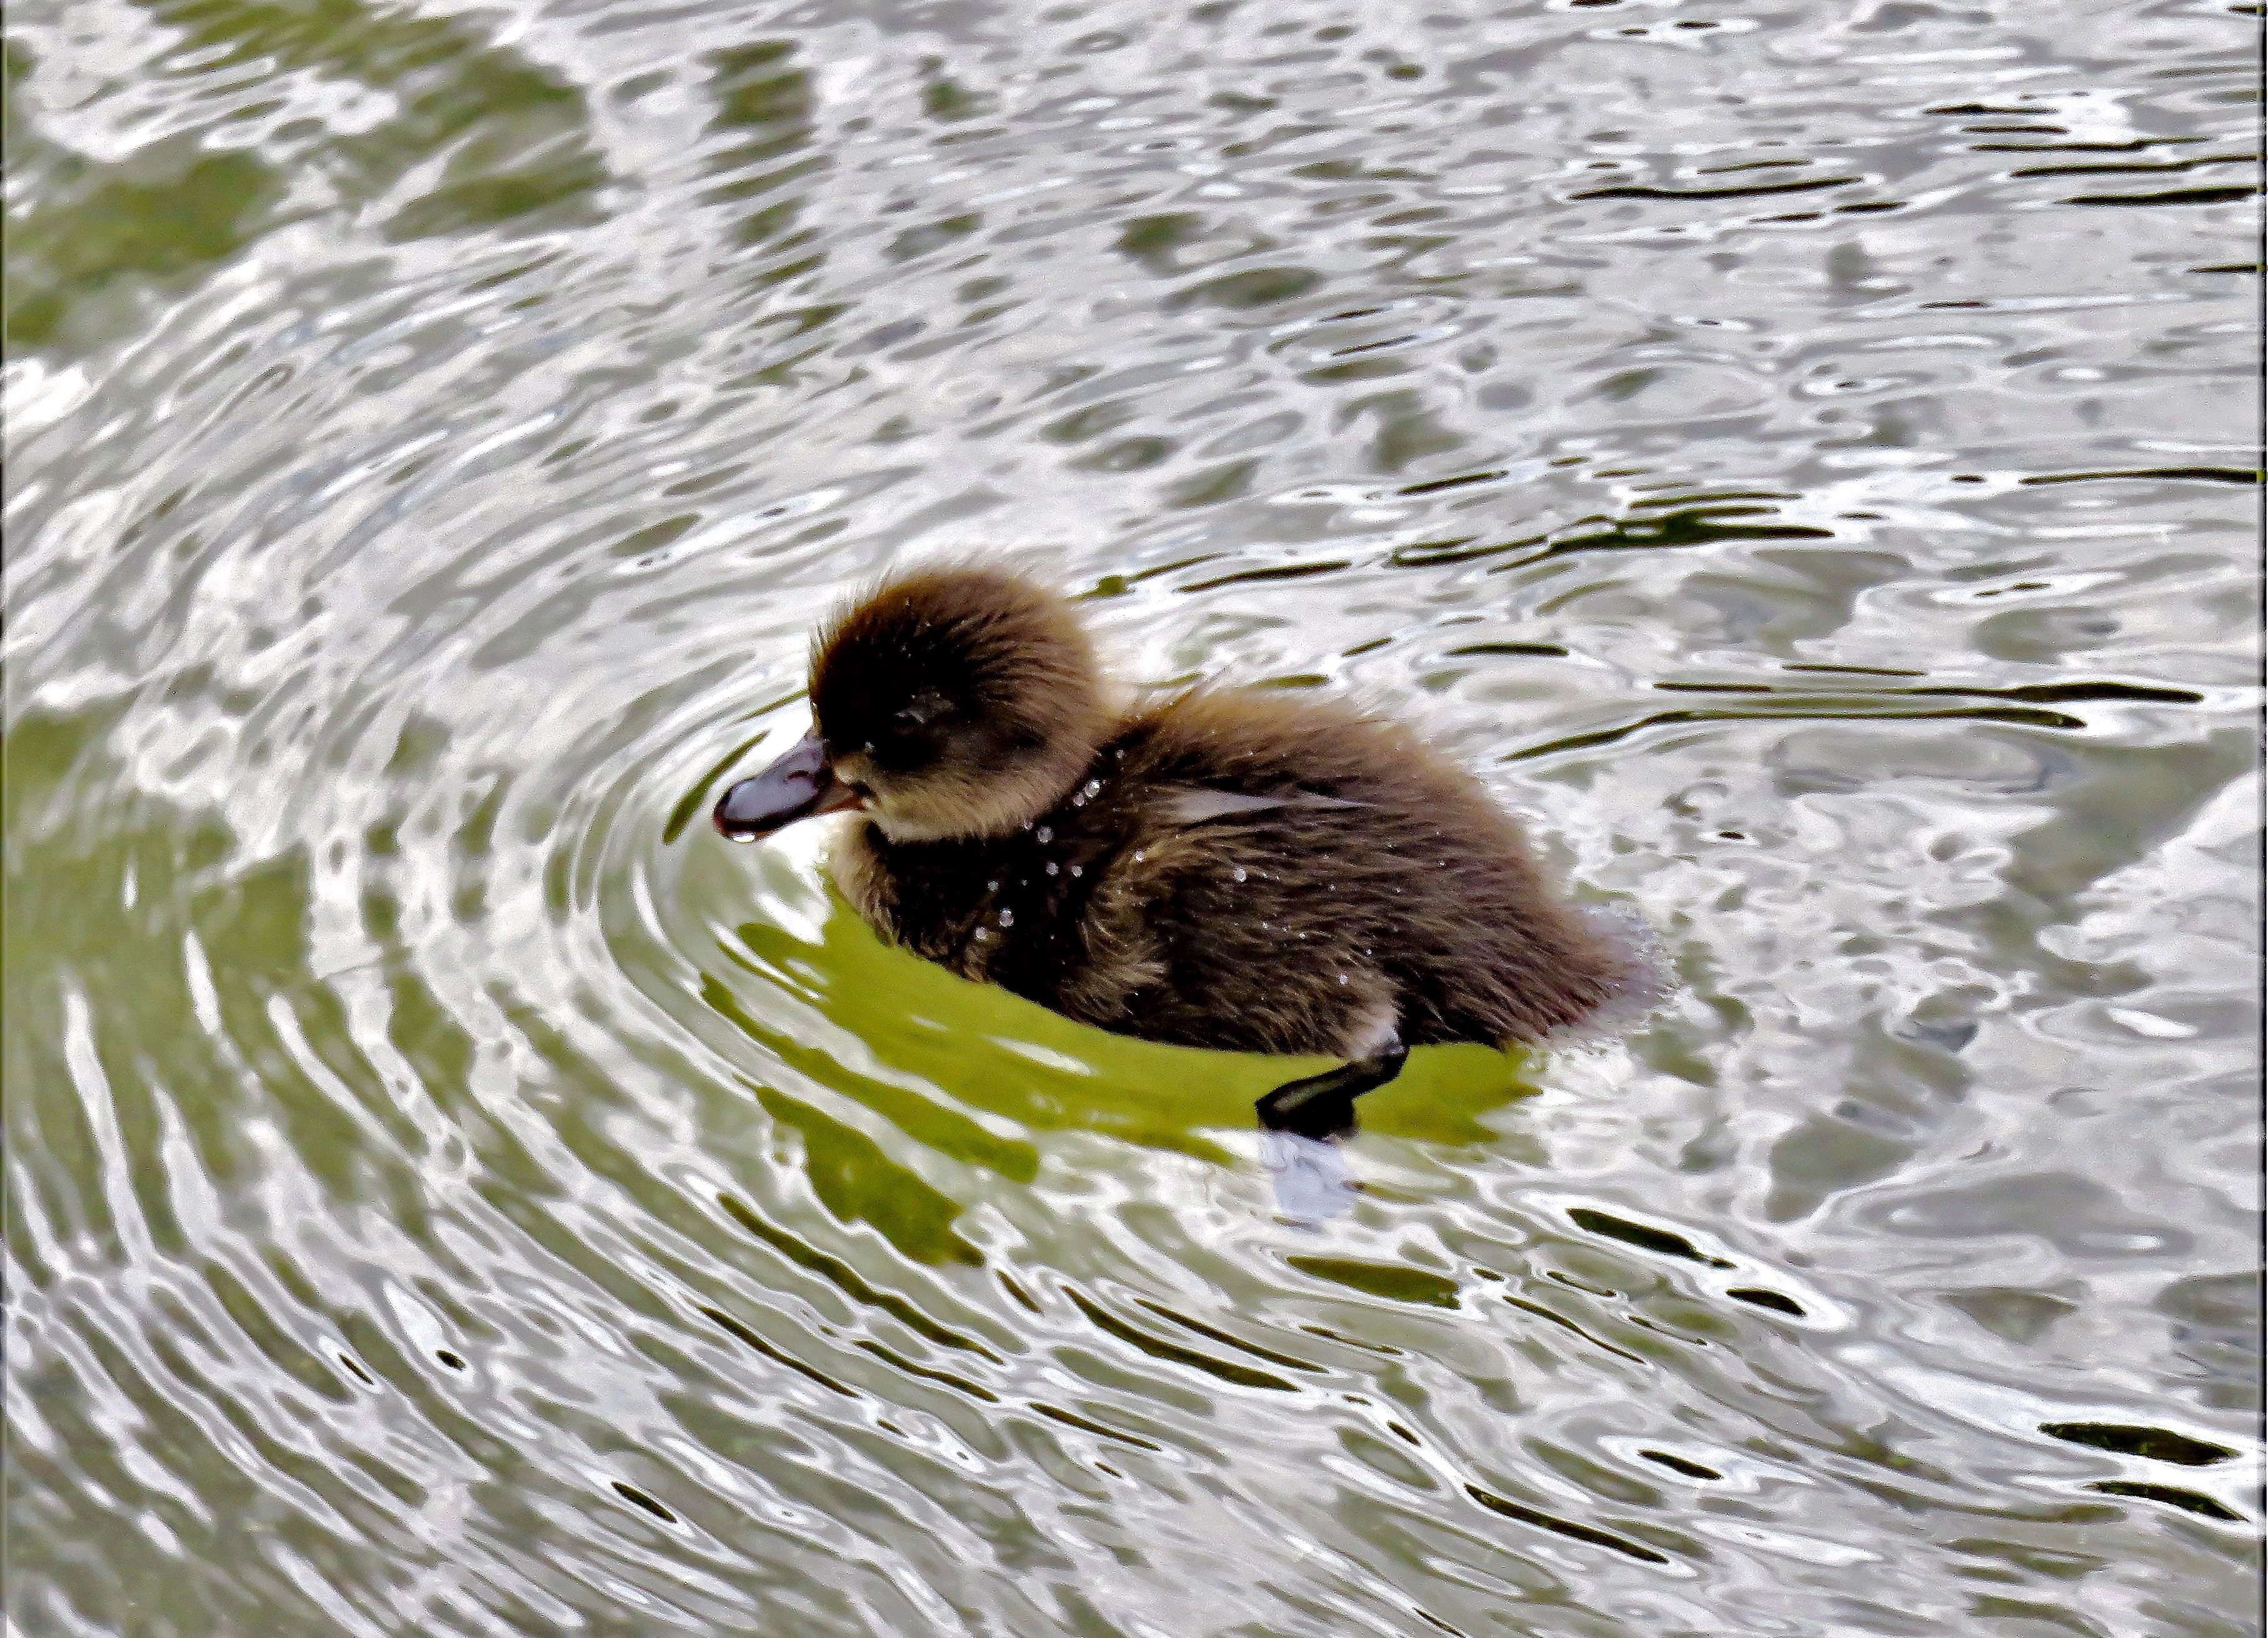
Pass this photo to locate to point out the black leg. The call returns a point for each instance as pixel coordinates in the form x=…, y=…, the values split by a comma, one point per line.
x=1321, y=1107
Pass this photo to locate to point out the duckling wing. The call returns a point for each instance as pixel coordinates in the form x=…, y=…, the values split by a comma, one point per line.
x=1299, y=867
x=1197, y=804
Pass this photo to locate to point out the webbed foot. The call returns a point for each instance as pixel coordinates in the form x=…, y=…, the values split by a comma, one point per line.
x=1312, y=1181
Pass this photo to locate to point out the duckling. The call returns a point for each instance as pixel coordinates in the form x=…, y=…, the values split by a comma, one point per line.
x=1236, y=870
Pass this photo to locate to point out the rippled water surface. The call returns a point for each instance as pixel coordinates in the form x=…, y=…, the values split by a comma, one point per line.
x=1802, y=456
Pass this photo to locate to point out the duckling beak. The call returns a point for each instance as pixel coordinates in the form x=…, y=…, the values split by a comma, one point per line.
x=798, y=785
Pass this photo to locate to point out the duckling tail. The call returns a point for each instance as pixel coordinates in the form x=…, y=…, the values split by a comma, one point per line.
x=1641, y=982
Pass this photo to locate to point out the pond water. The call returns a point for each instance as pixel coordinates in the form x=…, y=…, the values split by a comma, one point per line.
x=1800, y=455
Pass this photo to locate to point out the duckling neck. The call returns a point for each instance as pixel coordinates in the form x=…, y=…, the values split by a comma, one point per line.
x=1021, y=801
x=1012, y=797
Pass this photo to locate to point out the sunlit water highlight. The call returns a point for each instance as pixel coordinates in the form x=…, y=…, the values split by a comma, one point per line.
x=1800, y=456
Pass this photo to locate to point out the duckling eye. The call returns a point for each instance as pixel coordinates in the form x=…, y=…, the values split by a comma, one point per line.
x=918, y=712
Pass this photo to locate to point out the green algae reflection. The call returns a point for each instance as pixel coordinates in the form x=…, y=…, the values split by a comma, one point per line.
x=997, y=1056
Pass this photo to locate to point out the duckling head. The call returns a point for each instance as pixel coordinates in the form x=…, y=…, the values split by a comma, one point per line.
x=954, y=702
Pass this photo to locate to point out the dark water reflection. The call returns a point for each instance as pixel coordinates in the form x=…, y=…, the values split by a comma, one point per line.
x=1801, y=456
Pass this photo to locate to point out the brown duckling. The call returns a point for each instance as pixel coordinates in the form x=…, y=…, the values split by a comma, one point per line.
x=1236, y=870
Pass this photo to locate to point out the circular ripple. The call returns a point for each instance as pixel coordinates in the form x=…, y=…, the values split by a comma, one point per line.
x=448, y=1191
